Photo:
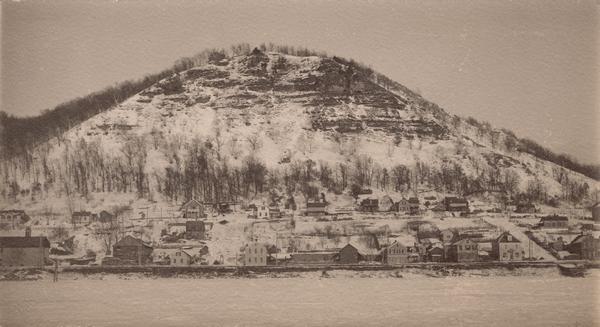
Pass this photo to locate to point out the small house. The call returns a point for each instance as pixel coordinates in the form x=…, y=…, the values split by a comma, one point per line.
x=506, y=247
x=435, y=253
x=82, y=217
x=413, y=206
x=369, y=205
x=463, y=250
x=354, y=253
x=554, y=221
x=180, y=257
x=456, y=204
x=403, y=206
x=132, y=250
x=275, y=212
x=13, y=218
x=263, y=212
x=193, y=209
x=194, y=230
x=254, y=254
x=386, y=203
x=24, y=251
x=316, y=209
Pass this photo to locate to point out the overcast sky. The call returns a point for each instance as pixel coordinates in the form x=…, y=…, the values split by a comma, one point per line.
x=530, y=66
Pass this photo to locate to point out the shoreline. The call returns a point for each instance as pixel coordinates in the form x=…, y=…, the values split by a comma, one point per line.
x=429, y=270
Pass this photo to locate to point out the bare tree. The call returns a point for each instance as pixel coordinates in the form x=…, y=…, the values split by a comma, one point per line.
x=255, y=142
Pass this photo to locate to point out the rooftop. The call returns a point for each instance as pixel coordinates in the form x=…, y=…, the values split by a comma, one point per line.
x=24, y=242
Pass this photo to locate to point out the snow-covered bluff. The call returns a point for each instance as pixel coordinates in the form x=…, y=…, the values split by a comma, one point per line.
x=284, y=108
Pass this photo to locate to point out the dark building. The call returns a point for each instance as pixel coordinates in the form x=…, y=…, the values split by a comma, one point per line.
x=369, y=205
x=413, y=206
x=316, y=208
x=596, y=211
x=554, y=221
x=105, y=217
x=586, y=246
x=354, y=253
x=348, y=255
x=290, y=204
x=24, y=251
x=131, y=250
x=525, y=207
x=194, y=230
x=452, y=203
x=435, y=254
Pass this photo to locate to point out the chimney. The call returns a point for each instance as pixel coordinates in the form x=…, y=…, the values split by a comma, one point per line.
x=28, y=231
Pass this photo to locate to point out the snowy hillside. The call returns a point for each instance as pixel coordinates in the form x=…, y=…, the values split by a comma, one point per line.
x=281, y=111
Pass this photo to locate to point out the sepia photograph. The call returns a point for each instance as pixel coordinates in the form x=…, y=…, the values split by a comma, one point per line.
x=300, y=163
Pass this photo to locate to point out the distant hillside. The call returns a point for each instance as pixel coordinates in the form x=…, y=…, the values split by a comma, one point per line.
x=277, y=120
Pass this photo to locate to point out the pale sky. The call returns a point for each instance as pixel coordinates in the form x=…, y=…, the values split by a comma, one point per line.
x=529, y=66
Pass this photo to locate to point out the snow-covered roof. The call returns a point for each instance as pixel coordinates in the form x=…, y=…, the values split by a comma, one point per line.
x=363, y=249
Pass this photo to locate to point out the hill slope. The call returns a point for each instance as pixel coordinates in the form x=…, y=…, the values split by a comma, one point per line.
x=267, y=122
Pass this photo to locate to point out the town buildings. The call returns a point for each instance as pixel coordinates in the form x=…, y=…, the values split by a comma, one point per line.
x=506, y=247
x=24, y=251
x=132, y=250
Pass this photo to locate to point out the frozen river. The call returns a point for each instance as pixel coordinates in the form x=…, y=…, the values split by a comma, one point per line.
x=341, y=301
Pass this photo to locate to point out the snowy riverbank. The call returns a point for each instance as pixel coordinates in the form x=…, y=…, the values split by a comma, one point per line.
x=406, y=273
